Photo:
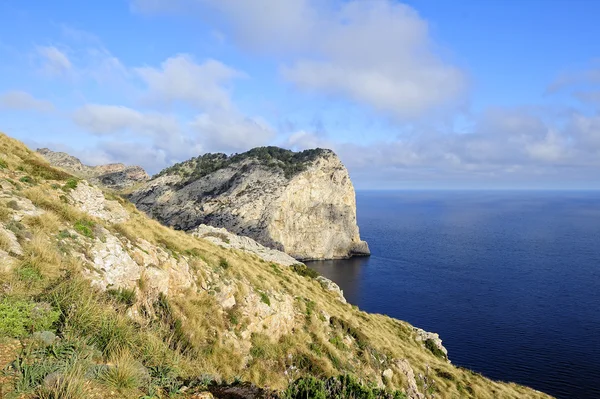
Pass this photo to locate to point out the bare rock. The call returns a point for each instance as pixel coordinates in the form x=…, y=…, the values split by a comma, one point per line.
x=423, y=335
x=91, y=200
x=225, y=239
x=412, y=389
x=333, y=287
x=113, y=265
x=300, y=203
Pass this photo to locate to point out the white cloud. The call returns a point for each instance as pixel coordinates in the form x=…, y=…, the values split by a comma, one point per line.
x=375, y=52
x=20, y=100
x=53, y=61
x=231, y=133
x=112, y=119
x=181, y=79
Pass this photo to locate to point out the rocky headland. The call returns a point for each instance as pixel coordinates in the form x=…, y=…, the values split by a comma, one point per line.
x=301, y=203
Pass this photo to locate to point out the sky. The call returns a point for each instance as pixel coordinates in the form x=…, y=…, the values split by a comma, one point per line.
x=421, y=94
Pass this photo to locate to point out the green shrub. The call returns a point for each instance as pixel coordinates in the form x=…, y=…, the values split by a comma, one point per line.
x=264, y=298
x=223, y=263
x=445, y=375
x=29, y=273
x=26, y=179
x=123, y=295
x=340, y=387
x=430, y=344
x=85, y=228
x=19, y=318
x=3, y=164
x=71, y=184
x=304, y=270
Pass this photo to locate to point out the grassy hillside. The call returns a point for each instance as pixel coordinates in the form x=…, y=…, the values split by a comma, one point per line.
x=227, y=319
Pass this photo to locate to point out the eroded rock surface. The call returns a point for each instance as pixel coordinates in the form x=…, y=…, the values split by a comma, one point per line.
x=224, y=238
x=300, y=203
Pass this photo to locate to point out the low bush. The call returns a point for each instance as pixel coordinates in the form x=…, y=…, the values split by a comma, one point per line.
x=340, y=387
x=223, y=263
x=71, y=184
x=123, y=295
x=304, y=270
x=430, y=344
x=85, y=228
x=19, y=318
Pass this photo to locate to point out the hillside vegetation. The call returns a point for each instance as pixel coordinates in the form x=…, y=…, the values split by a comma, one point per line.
x=99, y=301
x=289, y=162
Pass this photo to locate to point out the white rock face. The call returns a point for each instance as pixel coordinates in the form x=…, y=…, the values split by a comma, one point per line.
x=423, y=335
x=309, y=213
x=91, y=200
x=114, y=266
x=225, y=239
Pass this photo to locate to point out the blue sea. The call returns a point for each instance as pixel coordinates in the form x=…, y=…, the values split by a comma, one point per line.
x=509, y=279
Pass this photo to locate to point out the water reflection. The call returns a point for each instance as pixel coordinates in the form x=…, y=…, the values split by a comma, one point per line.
x=347, y=273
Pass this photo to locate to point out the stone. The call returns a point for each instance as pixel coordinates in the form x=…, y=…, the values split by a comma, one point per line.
x=114, y=176
x=388, y=374
x=114, y=266
x=333, y=287
x=92, y=201
x=423, y=335
x=412, y=389
x=308, y=213
x=225, y=239
x=11, y=243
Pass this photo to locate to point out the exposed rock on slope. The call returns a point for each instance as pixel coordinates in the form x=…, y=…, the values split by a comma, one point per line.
x=114, y=176
x=299, y=203
x=225, y=239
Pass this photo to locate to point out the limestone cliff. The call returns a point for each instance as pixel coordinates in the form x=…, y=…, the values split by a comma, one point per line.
x=116, y=176
x=301, y=203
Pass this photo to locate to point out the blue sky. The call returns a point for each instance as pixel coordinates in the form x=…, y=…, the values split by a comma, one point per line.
x=418, y=94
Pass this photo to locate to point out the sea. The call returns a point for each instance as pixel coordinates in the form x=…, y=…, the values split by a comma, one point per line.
x=509, y=279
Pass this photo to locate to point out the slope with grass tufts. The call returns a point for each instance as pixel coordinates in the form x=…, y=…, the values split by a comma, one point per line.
x=99, y=301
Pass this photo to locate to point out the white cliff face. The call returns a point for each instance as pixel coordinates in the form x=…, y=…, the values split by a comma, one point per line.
x=315, y=215
x=308, y=214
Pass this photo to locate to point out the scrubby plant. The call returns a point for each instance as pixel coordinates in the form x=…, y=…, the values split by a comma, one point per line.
x=304, y=270
x=27, y=179
x=124, y=372
x=224, y=263
x=85, y=228
x=123, y=295
x=71, y=184
x=430, y=344
x=3, y=164
x=264, y=298
x=340, y=387
x=19, y=318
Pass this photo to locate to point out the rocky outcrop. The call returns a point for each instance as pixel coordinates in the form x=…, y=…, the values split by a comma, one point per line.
x=116, y=176
x=225, y=239
x=300, y=203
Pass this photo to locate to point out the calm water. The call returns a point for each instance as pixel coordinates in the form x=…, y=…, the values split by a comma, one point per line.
x=510, y=280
